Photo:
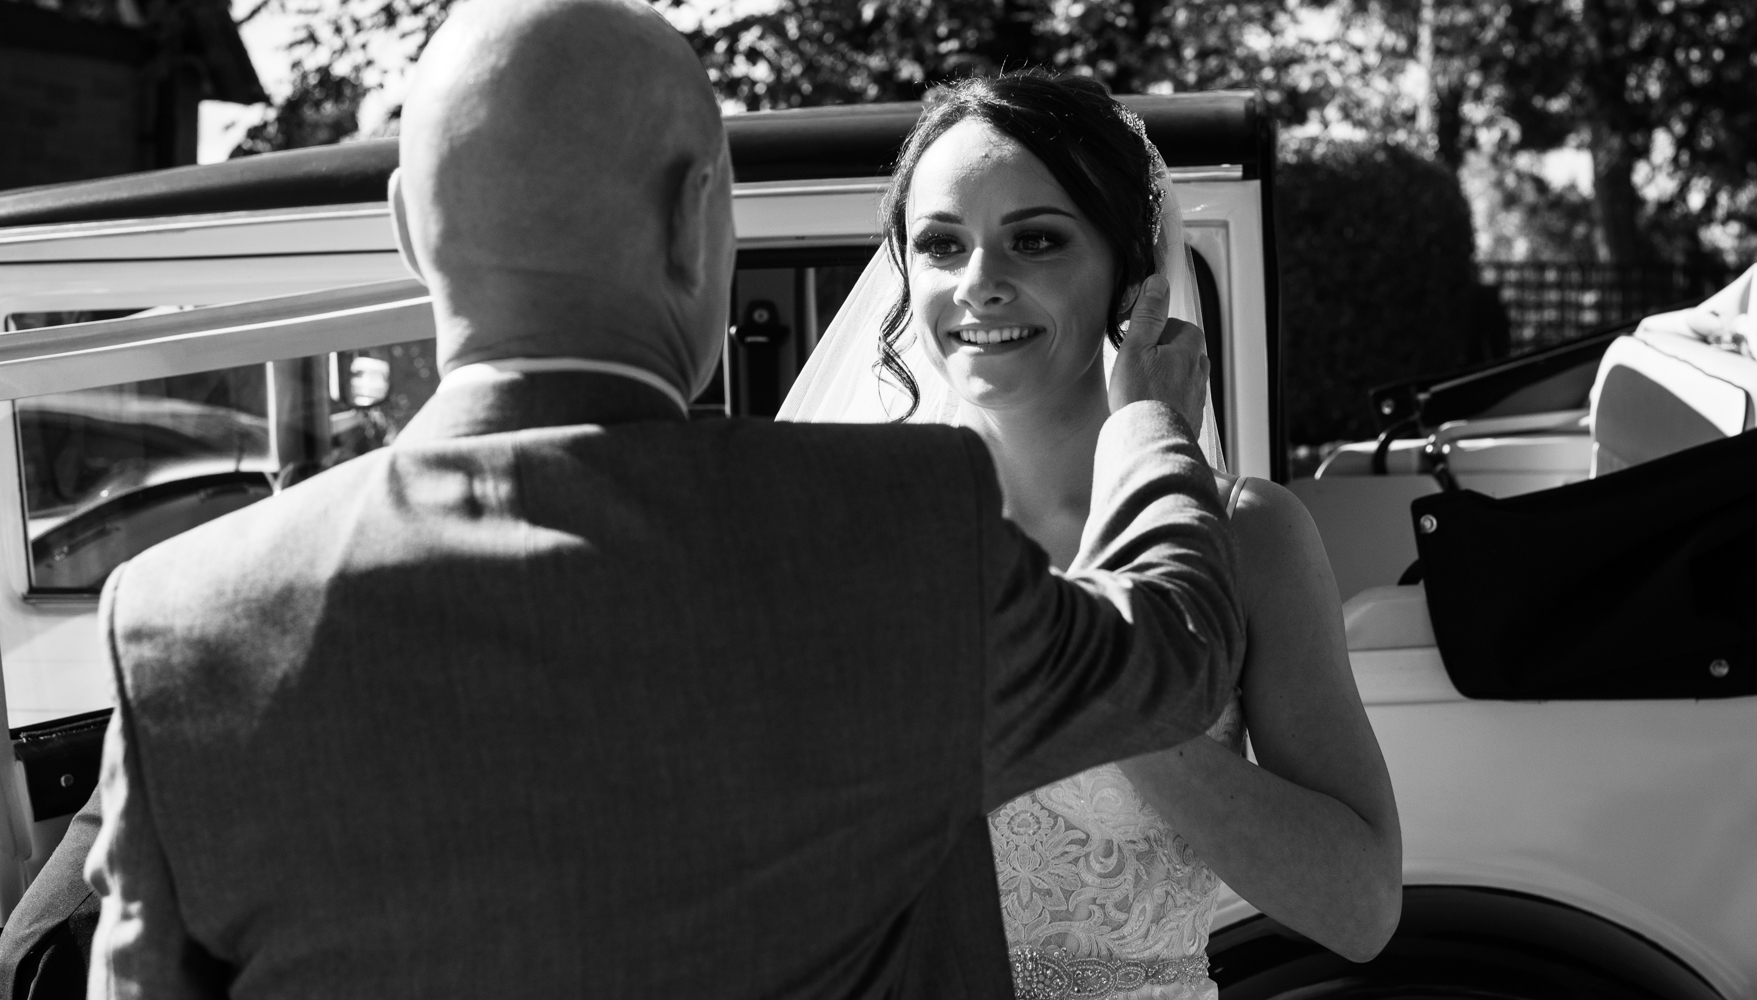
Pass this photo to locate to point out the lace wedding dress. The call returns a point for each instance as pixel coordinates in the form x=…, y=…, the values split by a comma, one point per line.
x=1100, y=898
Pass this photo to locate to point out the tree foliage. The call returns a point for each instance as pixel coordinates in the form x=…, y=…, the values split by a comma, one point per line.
x=1661, y=93
x=811, y=52
x=807, y=52
x=1521, y=216
x=1670, y=84
x=341, y=51
x=356, y=37
x=323, y=107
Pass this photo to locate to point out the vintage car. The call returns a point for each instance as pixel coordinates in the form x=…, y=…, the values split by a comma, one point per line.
x=1558, y=847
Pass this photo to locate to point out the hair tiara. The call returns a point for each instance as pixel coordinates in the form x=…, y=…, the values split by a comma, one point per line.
x=1157, y=170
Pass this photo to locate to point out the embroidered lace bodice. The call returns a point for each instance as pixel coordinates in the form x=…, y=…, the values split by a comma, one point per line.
x=1099, y=897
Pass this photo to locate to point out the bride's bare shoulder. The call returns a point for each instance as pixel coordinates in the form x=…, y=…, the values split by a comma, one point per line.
x=1278, y=544
x=1257, y=497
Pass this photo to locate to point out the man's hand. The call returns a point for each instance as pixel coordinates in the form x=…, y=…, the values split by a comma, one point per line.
x=1160, y=359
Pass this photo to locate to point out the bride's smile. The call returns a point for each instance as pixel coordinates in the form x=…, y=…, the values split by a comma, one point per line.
x=1008, y=279
x=999, y=337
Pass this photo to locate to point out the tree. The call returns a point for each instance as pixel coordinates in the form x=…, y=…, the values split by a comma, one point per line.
x=1662, y=93
x=808, y=52
x=813, y=52
x=359, y=38
x=1672, y=81
x=341, y=52
x=1521, y=216
x=322, y=108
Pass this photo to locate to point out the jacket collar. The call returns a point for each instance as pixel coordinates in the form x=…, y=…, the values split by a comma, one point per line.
x=512, y=401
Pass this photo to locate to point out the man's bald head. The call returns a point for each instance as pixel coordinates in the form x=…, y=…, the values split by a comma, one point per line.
x=563, y=187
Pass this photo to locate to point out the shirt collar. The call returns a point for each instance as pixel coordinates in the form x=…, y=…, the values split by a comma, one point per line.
x=487, y=370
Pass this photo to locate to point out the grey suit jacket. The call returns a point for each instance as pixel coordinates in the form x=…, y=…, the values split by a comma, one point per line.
x=561, y=695
x=47, y=938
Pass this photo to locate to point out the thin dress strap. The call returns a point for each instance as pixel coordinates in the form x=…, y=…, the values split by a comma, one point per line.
x=1238, y=487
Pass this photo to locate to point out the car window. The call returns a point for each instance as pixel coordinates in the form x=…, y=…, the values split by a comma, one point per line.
x=782, y=301
x=107, y=472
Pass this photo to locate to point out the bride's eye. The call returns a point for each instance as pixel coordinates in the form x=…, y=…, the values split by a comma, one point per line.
x=1036, y=241
x=935, y=245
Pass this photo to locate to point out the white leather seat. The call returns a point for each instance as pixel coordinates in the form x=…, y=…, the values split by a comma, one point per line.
x=1682, y=379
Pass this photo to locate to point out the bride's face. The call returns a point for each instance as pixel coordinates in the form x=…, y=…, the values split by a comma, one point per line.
x=1009, y=282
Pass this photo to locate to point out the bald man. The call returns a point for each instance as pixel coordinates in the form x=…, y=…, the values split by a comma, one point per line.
x=562, y=695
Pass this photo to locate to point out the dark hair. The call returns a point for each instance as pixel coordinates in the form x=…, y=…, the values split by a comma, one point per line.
x=1091, y=148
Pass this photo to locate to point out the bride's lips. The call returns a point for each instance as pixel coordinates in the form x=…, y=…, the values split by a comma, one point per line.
x=993, y=338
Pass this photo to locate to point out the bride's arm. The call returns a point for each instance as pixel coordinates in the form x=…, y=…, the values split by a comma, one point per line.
x=1310, y=837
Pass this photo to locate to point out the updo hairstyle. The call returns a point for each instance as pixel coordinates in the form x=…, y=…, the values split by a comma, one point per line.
x=1089, y=143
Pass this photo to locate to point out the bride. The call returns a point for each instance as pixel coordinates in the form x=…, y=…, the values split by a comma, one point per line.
x=1025, y=215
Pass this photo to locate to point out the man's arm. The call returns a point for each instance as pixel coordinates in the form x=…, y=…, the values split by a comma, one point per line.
x=1138, y=646
x=44, y=945
x=141, y=949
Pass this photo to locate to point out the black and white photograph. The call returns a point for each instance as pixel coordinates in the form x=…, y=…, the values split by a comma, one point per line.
x=878, y=499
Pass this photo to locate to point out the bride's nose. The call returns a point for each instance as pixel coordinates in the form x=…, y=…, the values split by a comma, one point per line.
x=983, y=283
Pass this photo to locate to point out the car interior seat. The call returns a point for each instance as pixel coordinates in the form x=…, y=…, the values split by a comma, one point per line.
x=1634, y=583
x=1682, y=379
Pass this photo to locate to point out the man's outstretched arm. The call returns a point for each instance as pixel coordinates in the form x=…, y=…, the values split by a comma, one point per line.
x=1138, y=646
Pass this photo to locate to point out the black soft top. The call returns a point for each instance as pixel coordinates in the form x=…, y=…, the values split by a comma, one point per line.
x=1191, y=130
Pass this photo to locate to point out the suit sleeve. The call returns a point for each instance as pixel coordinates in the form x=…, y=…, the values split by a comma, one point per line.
x=1135, y=648
x=141, y=948
x=44, y=944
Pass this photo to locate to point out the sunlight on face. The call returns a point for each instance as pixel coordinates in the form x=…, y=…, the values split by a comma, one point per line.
x=1008, y=281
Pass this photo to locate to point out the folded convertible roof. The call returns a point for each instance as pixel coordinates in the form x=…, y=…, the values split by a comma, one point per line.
x=1230, y=129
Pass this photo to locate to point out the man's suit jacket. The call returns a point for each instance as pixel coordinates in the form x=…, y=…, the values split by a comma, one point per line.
x=48, y=935
x=562, y=695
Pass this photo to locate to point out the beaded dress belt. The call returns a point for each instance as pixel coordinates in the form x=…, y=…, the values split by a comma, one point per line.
x=1051, y=974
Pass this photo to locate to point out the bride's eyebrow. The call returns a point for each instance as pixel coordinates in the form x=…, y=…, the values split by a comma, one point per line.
x=1020, y=215
x=1016, y=215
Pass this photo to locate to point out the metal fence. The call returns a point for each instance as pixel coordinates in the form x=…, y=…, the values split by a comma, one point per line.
x=1548, y=303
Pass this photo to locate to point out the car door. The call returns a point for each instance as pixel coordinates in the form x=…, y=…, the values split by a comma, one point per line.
x=134, y=411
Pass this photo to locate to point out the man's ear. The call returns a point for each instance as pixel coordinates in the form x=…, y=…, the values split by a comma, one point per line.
x=399, y=216
x=686, y=254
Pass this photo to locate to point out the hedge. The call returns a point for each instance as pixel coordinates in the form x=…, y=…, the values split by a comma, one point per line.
x=1377, y=283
